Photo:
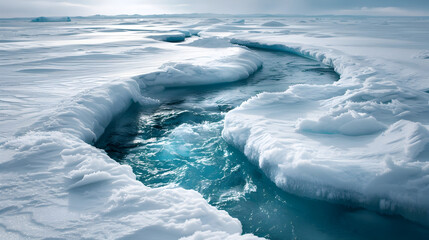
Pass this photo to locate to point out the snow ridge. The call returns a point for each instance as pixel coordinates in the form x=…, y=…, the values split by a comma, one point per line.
x=238, y=66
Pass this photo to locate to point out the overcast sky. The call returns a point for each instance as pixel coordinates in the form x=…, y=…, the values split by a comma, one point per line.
x=33, y=8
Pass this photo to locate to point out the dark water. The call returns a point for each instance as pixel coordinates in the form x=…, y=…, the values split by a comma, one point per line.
x=180, y=143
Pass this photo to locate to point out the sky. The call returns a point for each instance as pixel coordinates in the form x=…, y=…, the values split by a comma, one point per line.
x=35, y=8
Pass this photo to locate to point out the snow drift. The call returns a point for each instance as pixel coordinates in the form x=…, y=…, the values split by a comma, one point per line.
x=235, y=65
x=170, y=36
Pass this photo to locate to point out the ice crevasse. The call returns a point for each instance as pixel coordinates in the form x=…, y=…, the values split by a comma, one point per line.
x=55, y=184
x=361, y=141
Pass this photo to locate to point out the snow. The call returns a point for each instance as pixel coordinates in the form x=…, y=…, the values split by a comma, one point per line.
x=423, y=54
x=349, y=123
x=90, y=190
x=85, y=194
x=206, y=22
x=55, y=184
x=273, y=24
x=170, y=37
x=361, y=141
x=239, y=22
x=235, y=64
x=210, y=42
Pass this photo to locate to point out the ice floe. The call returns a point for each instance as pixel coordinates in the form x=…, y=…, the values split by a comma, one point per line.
x=361, y=141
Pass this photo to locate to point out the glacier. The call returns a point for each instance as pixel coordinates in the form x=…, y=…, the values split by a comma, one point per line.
x=360, y=141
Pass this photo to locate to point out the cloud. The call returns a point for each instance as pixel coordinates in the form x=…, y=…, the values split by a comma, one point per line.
x=382, y=11
x=28, y=8
x=34, y=8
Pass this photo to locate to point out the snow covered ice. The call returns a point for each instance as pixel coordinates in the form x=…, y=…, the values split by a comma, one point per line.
x=51, y=19
x=54, y=183
x=361, y=141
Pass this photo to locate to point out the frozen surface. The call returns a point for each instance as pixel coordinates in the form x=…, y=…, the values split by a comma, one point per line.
x=170, y=37
x=179, y=143
x=361, y=141
x=54, y=183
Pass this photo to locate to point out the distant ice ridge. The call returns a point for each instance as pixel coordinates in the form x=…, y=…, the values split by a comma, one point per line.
x=273, y=24
x=55, y=184
x=174, y=36
x=363, y=140
x=169, y=37
x=210, y=42
x=51, y=19
x=423, y=54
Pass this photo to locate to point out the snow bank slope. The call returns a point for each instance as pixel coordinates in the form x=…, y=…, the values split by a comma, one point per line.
x=170, y=37
x=59, y=186
x=228, y=66
x=56, y=185
x=362, y=140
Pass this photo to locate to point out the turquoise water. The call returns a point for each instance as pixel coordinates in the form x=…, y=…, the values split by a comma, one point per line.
x=179, y=143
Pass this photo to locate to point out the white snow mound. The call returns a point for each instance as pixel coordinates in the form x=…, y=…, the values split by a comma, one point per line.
x=273, y=24
x=232, y=65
